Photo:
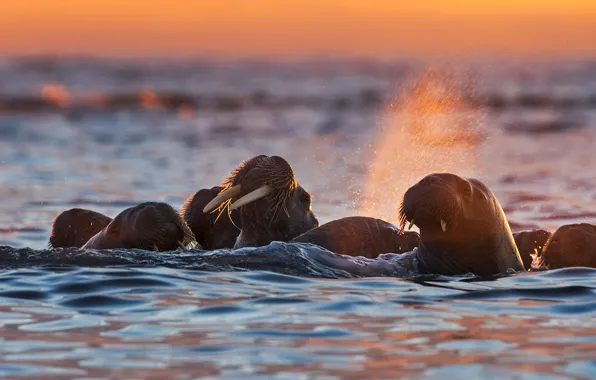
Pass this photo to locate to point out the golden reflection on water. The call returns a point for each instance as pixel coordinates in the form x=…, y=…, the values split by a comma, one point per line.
x=429, y=127
x=415, y=340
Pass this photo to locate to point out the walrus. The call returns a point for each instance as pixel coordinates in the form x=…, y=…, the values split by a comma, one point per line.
x=152, y=226
x=272, y=205
x=74, y=227
x=572, y=245
x=463, y=228
x=530, y=243
x=214, y=230
x=360, y=236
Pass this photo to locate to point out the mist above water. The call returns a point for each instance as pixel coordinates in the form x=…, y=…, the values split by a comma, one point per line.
x=428, y=127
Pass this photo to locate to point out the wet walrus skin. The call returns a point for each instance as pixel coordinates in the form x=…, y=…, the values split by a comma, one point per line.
x=572, y=245
x=214, y=230
x=360, y=236
x=74, y=227
x=272, y=205
x=463, y=228
x=152, y=226
x=530, y=243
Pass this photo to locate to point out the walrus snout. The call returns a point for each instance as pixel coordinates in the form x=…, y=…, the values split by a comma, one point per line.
x=213, y=230
x=529, y=244
x=432, y=204
x=157, y=226
x=406, y=241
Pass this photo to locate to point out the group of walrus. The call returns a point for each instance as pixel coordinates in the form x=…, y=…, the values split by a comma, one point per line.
x=463, y=228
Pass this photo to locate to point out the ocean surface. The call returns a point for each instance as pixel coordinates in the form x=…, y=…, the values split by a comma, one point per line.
x=109, y=134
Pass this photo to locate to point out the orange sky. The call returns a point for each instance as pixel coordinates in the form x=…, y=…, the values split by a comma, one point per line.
x=279, y=28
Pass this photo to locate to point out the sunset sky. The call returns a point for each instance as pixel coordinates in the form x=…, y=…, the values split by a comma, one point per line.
x=281, y=28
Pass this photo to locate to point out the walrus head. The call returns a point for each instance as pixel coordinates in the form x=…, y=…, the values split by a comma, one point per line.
x=151, y=226
x=213, y=230
x=74, y=227
x=273, y=206
x=462, y=226
x=572, y=245
x=530, y=244
x=360, y=236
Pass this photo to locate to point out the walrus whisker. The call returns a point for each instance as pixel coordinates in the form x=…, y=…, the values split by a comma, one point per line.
x=189, y=238
x=279, y=204
x=221, y=211
x=158, y=237
x=441, y=212
x=404, y=210
x=221, y=197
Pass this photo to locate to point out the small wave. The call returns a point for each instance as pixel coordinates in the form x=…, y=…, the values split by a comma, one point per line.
x=296, y=259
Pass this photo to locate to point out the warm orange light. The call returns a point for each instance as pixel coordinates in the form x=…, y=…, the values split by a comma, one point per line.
x=272, y=28
x=56, y=93
x=149, y=99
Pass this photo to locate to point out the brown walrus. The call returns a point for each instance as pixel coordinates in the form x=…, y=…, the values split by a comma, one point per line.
x=463, y=228
x=74, y=227
x=572, y=245
x=152, y=226
x=214, y=230
x=530, y=243
x=360, y=236
x=272, y=205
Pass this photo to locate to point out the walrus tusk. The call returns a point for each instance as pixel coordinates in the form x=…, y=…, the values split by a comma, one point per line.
x=222, y=197
x=257, y=194
x=443, y=225
x=411, y=224
x=181, y=245
x=155, y=248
